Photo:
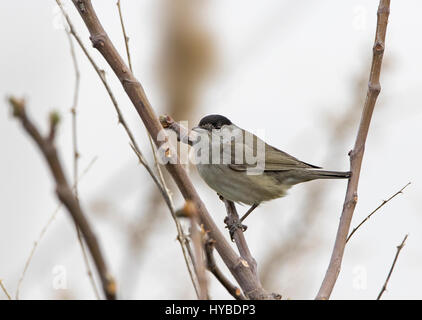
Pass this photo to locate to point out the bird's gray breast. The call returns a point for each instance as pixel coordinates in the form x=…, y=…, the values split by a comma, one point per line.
x=241, y=187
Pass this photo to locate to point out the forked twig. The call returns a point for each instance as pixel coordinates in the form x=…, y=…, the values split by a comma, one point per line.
x=196, y=234
x=63, y=190
x=399, y=247
x=181, y=237
x=218, y=274
x=384, y=202
x=237, y=235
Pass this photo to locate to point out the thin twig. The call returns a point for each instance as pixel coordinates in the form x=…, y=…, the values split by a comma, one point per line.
x=196, y=235
x=399, y=247
x=103, y=79
x=236, y=229
x=4, y=290
x=218, y=274
x=379, y=207
x=356, y=155
x=76, y=156
x=64, y=191
x=129, y=60
x=44, y=230
x=73, y=109
x=181, y=237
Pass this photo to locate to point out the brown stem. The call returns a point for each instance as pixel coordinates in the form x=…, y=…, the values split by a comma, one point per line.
x=135, y=92
x=356, y=155
x=233, y=221
x=196, y=234
x=76, y=156
x=4, y=290
x=64, y=191
x=129, y=60
x=218, y=274
x=399, y=247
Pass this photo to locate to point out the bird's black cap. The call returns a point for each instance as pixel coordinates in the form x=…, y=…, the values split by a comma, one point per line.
x=214, y=121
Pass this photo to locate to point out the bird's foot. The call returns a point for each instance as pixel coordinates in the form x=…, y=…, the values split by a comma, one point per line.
x=234, y=225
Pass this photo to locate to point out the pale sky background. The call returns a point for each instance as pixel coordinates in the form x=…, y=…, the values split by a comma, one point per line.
x=288, y=67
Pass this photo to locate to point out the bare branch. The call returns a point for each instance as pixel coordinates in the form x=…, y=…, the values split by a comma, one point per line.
x=76, y=156
x=236, y=233
x=134, y=90
x=63, y=190
x=190, y=211
x=379, y=207
x=399, y=247
x=129, y=60
x=356, y=155
x=181, y=237
x=215, y=270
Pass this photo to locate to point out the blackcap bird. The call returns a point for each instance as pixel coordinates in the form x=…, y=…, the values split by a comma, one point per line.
x=242, y=168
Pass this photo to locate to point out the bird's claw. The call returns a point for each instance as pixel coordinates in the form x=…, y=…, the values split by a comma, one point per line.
x=233, y=226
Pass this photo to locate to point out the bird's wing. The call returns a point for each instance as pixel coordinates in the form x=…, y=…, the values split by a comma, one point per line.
x=275, y=159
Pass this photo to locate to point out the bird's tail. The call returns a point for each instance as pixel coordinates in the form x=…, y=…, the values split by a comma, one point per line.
x=322, y=174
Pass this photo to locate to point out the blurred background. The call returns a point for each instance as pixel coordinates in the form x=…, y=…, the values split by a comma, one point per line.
x=296, y=69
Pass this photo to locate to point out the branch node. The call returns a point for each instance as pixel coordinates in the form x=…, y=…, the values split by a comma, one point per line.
x=54, y=119
x=378, y=47
x=81, y=6
x=166, y=121
x=375, y=88
x=383, y=9
x=352, y=202
x=128, y=81
x=18, y=106
x=111, y=285
x=98, y=40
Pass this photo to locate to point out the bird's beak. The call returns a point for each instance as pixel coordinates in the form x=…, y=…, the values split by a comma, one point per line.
x=195, y=129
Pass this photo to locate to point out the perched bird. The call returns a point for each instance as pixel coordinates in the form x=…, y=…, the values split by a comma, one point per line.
x=265, y=175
